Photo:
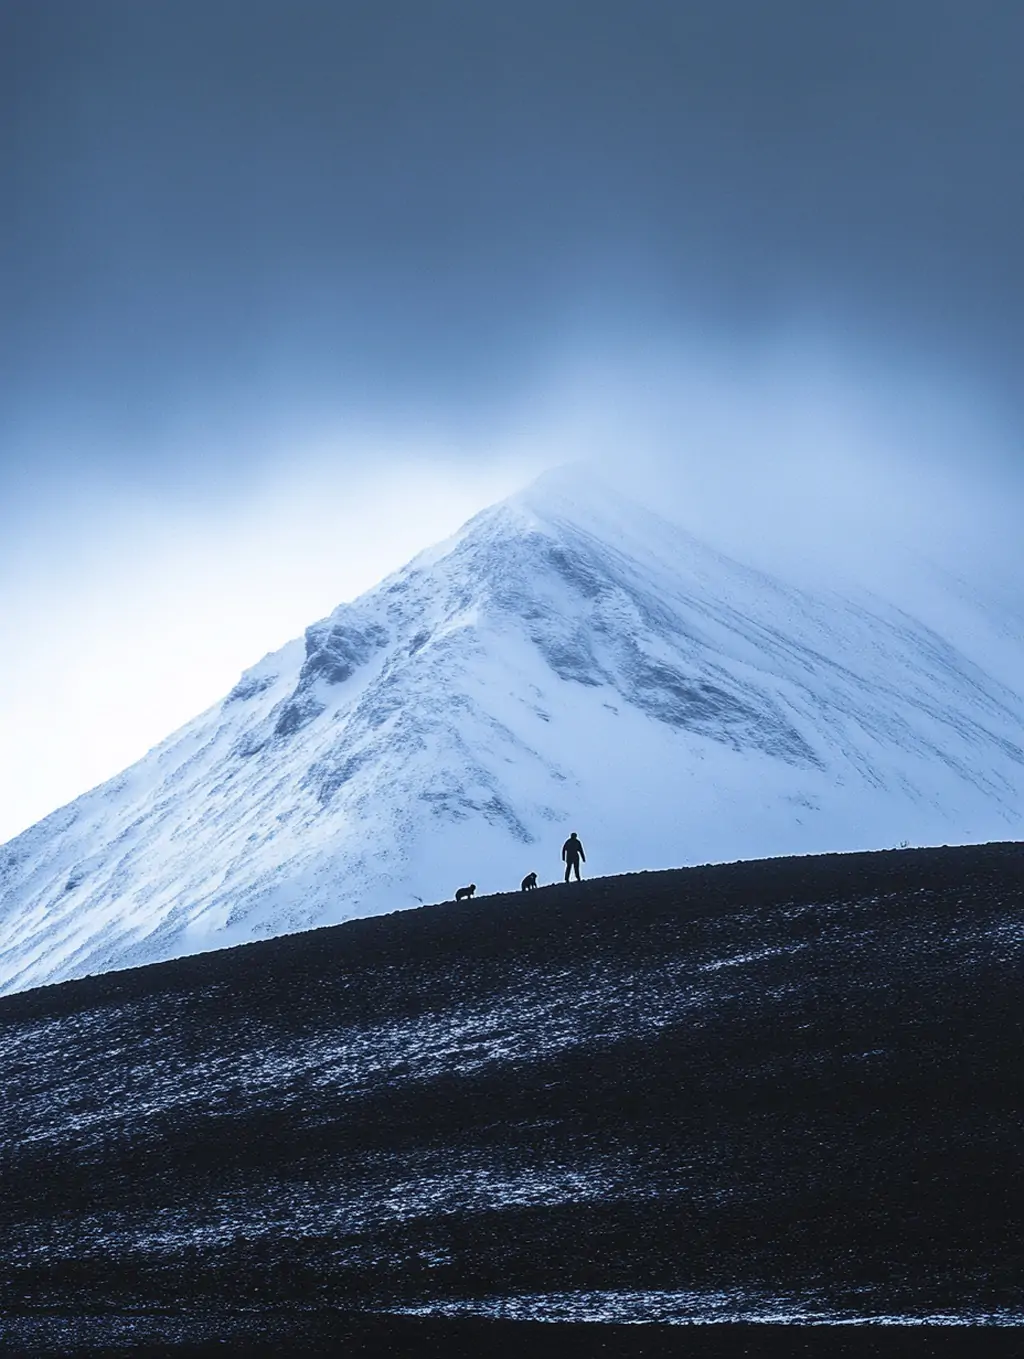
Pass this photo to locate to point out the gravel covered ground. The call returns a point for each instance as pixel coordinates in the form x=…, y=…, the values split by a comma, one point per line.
x=761, y=1092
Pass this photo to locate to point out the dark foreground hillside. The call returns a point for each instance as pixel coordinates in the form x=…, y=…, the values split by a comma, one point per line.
x=786, y=1090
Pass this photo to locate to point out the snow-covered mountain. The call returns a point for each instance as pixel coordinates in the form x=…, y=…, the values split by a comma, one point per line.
x=566, y=661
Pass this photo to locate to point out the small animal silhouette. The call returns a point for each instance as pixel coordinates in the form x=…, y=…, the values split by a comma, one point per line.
x=465, y=892
x=529, y=882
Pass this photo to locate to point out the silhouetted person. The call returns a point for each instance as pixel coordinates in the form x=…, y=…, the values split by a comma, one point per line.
x=464, y=892
x=529, y=883
x=572, y=853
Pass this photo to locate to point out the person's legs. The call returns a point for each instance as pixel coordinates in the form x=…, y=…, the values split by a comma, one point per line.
x=568, y=866
x=576, y=867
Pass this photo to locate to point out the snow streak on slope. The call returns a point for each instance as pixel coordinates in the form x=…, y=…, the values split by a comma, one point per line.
x=566, y=661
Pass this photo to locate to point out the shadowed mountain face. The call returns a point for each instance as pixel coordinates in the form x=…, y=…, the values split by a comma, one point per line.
x=565, y=660
x=778, y=1089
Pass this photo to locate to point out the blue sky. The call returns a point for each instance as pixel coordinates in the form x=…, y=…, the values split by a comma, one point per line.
x=274, y=272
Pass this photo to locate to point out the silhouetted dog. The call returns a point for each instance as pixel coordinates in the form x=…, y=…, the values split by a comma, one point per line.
x=529, y=882
x=465, y=892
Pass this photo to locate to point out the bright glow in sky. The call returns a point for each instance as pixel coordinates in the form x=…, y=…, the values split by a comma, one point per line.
x=117, y=632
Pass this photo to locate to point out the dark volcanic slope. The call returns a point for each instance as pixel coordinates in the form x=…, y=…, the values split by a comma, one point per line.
x=781, y=1088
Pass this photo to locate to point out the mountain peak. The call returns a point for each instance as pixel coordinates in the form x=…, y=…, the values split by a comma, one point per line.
x=575, y=485
x=576, y=493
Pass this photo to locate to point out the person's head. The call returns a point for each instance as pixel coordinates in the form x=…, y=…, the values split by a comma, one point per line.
x=572, y=835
